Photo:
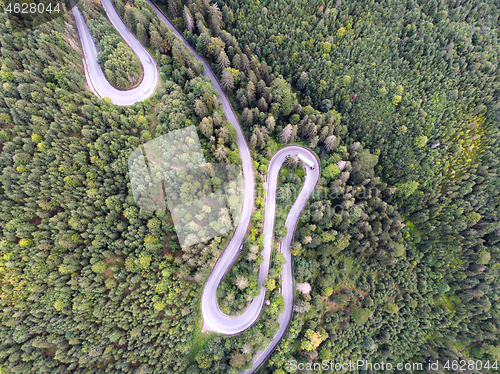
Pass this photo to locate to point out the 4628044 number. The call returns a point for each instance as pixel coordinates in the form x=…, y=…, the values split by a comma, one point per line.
x=27, y=8
x=463, y=365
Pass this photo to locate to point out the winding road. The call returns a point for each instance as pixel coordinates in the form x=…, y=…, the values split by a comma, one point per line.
x=93, y=72
x=311, y=179
x=214, y=319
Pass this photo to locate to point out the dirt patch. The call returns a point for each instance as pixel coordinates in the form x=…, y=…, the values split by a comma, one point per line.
x=128, y=291
x=107, y=273
x=342, y=288
x=112, y=260
x=167, y=239
x=188, y=280
x=334, y=307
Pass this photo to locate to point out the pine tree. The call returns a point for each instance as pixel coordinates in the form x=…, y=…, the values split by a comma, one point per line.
x=222, y=62
x=242, y=282
x=227, y=81
x=200, y=108
x=330, y=143
x=188, y=18
x=142, y=34
x=287, y=133
x=304, y=288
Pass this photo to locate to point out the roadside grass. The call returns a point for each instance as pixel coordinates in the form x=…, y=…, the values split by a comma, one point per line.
x=200, y=339
x=153, y=124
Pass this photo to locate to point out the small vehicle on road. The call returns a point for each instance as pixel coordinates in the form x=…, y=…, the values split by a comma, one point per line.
x=148, y=59
x=306, y=160
x=241, y=247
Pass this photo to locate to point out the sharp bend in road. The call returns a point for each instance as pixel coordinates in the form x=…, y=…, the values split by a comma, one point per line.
x=93, y=72
x=214, y=319
x=312, y=176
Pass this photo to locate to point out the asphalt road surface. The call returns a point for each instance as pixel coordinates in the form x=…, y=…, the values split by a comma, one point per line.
x=93, y=72
x=213, y=318
x=287, y=288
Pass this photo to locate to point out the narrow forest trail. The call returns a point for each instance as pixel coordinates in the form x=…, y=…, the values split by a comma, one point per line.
x=213, y=318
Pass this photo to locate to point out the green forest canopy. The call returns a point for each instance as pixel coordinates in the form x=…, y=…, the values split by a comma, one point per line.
x=397, y=250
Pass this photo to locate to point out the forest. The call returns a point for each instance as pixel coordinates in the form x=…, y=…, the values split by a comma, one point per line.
x=395, y=256
x=403, y=98
x=85, y=274
x=121, y=66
